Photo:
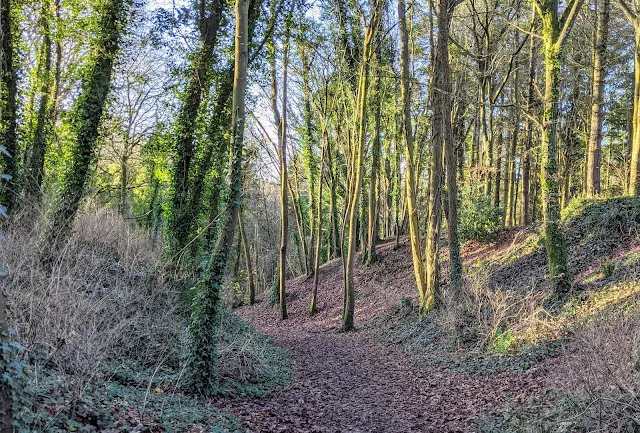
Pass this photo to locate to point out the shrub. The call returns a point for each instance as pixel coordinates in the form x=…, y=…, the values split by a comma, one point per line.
x=608, y=267
x=478, y=219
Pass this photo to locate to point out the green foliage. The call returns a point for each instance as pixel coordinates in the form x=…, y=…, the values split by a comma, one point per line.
x=502, y=341
x=608, y=267
x=478, y=218
x=55, y=407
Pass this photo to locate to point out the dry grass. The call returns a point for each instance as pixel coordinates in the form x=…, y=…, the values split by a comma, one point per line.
x=602, y=364
x=108, y=301
x=105, y=298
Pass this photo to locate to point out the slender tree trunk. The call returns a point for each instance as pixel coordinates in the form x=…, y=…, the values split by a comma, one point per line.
x=300, y=225
x=124, y=181
x=318, y=238
x=511, y=156
x=358, y=163
x=204, y=317
x=309, y=157
x=284, y=181
x=372, y=226
x=33, y=182
x=455, y=264
x=634, y=172
x=594, y=152
x=407, y=128
x=528, y=143
x=247, y=261
x=498, y=175
x=336, y=241
x=440, y=70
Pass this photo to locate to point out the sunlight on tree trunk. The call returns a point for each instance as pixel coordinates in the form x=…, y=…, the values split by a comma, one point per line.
x=207, y=292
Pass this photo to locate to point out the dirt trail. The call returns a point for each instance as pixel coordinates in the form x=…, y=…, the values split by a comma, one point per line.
x=353, y=382
x=349, y=383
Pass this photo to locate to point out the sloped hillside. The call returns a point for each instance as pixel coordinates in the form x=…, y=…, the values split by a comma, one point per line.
x=516, y=358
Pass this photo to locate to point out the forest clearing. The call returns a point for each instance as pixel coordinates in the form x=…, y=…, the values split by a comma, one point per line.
x=319, y=216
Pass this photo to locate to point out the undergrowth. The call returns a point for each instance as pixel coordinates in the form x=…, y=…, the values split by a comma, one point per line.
x=595, y=336
x=103, y=331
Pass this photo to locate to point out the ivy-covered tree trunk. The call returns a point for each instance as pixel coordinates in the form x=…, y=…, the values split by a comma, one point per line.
x=207, y=292
x=594, y=151
x=309, y=157
x=180, y=219
x=35, y=170
x=554, y=31
x=85, y=121
x=8, y=104
x=213, y=159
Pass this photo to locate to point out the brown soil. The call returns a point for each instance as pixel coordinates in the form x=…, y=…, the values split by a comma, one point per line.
x=353, y=382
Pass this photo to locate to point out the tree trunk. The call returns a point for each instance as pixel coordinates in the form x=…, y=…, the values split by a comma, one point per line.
x=195, y=92
x=634, y=172
x=455, y=264
x=8, y=105
x=281, y=122
x=410, y=179
x=440, y=70
x=309, y=158
x=594, y=151
x=124, y=181
x=553, y=35
x=528, y=143
x=500, y=151
x=251, y=292
x=358, y=163
x=33, y=182
x=204, y=317
x=85, y=123
x=314, y=295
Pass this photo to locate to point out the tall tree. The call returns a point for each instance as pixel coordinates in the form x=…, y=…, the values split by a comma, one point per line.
x=594, y=151
x=632, y=13
x=555, y=28
x=207, y=295
x=33, y=181
x=443, y=85
x=357, y=164
x=85, y=119
x=528, y=142
x=408, y=137
x=8, y=103
x=180, y=219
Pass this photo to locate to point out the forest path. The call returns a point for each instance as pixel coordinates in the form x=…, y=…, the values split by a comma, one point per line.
x=352, y=382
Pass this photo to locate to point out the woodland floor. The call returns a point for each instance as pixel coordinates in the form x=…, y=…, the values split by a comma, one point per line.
x=356, y=382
